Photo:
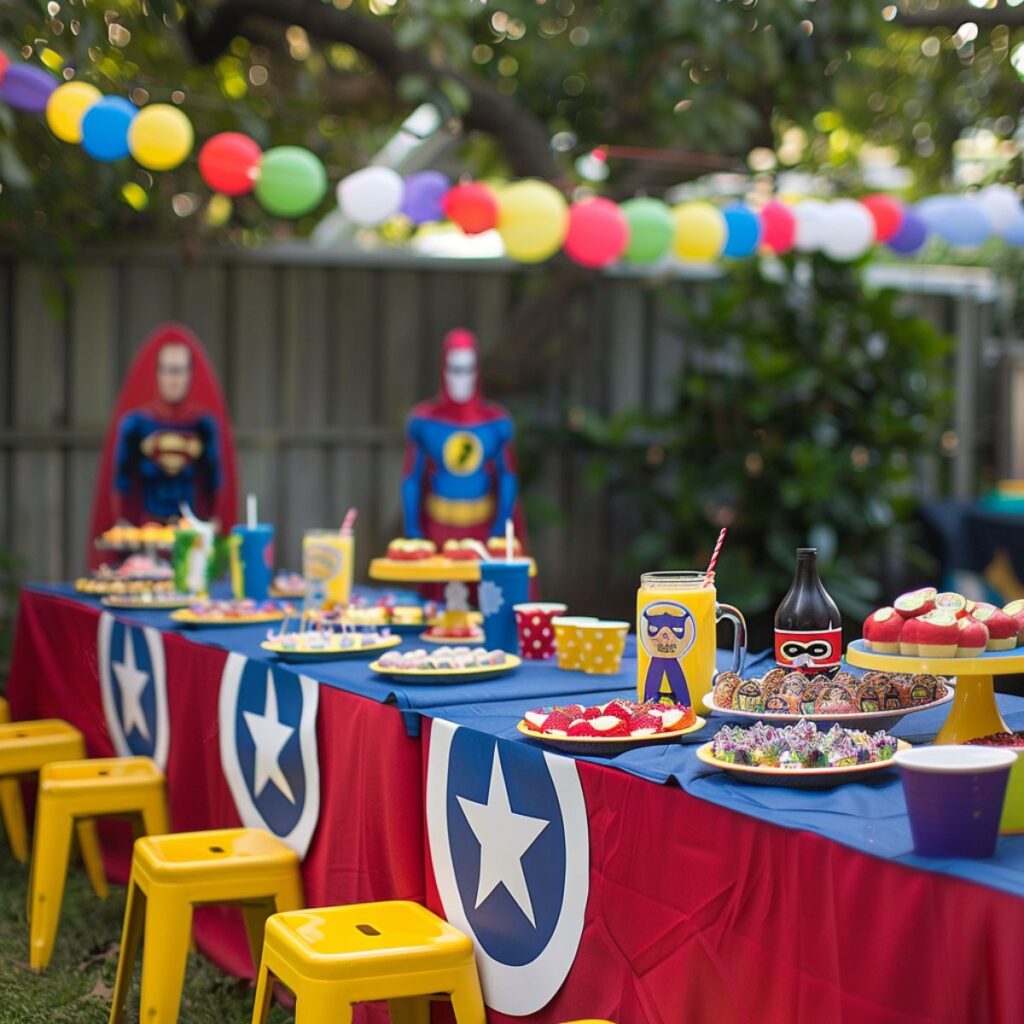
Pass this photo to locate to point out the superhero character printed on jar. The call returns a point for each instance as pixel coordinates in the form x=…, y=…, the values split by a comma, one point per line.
x=667, y=631
x=169, y=440
x=459, y=479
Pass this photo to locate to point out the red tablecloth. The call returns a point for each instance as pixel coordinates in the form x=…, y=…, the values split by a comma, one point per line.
x=695, y=912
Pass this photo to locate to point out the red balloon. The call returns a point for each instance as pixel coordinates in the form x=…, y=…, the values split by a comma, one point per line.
x=472, y=206
x=887, y=214
x=228, y=161
x=778, y=227
x=598, y=233
x=4, y=62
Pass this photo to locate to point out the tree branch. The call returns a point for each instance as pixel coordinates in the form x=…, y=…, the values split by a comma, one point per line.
x=521, y=135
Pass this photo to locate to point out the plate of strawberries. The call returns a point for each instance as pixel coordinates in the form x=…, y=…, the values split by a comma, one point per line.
x=610, y=728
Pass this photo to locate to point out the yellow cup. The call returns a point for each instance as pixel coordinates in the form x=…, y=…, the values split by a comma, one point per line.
x=1012, y=820
x=327, y=565
x=676, y=614
x=601, y=644
x=567, y=645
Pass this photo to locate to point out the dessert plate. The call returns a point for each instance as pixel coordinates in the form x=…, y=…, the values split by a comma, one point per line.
x=141, y=603
x=448, y=675
x=333, y=653
x=186, y=617
x=600, y=746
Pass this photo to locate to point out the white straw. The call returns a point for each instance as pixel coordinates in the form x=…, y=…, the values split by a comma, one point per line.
x=509, y=534
x=250, y=511
x=484, y=554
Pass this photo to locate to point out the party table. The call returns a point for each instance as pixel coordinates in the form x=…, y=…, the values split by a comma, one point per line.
x=649, y=888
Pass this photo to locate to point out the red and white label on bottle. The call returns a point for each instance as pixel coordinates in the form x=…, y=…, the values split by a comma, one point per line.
x=810, y=651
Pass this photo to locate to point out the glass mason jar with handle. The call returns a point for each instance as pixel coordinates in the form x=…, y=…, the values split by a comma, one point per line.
x=676, y=618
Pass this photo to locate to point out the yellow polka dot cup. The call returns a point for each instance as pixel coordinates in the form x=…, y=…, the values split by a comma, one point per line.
x=567, y=645
x=535, y=626
x=601, y=644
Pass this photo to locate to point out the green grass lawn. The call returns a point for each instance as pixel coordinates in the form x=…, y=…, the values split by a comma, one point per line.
x=76, y=987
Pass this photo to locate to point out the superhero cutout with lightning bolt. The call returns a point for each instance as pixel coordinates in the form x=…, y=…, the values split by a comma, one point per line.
x=459, y=479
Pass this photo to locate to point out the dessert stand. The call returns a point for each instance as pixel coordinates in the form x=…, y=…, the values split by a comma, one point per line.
x=974, y=712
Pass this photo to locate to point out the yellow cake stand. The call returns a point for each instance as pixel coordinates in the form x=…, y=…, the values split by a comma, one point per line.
x=974, y=712
x=429, y=570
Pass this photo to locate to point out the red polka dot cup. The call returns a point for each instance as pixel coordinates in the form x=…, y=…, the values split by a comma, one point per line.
x=536, y=630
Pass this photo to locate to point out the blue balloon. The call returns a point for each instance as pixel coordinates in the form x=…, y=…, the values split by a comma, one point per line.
x=27, y=88
x=424, y=193
x=913, y=233
x=1013, y=231
x=744, y=230
x=955, y=220
x=105, y=128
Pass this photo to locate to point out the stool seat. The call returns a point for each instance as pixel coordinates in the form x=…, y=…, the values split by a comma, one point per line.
x=334, y=957
x=26, y=746
x=171, y=874
x=72, y=794
x=397, y=936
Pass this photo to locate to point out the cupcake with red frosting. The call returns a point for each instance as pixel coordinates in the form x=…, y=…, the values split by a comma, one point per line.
x=882, y=630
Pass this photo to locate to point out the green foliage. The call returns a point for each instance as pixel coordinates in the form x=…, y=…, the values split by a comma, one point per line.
x=802, y=406
x=76, y=987
x=10, y=571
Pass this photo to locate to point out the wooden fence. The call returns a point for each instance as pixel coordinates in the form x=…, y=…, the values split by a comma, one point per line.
x=321, y=356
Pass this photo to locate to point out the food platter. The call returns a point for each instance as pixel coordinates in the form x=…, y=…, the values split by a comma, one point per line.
x=601, y=746
x=334, y=653
x=798, y=778
x=429, y=570
x=147, y=603
x=186, y=617
x=478, y=673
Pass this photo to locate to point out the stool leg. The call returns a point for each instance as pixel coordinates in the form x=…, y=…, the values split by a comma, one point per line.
x=50, y=852
x=164, y=954
x=467, y=1000
x=13, y=812
x=414, y=1010
x=289, y=894
x=154, y=816
x=255, y=915
x=131, y=932
x=264, y=994
x=321, y=1005
x=89, y=844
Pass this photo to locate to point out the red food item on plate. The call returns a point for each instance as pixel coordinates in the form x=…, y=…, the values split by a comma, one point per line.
x=937, y=635
x=908, y=638
x=644, y=724
x=609, y=726
x=882, y=630
x=998, y=739
x=952, y=602
x=581, y=727
x=973, y=638
x=916, y=602
x=1015, y=609
x=1002, y=628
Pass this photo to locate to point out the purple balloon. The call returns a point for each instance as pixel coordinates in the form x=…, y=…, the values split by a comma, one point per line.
x=27, y=88
x=911, y=236
x=423, y=195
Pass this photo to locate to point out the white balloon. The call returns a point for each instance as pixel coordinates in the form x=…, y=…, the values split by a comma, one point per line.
x=811, y=222
x=1001, y=206
x=849, y=230
x=370, y=196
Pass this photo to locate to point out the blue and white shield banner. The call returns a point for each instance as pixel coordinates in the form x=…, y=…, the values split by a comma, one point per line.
x=510, y=844
x=268, y=748
x=133, y=685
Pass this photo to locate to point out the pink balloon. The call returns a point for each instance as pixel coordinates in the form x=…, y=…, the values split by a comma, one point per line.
x=778, y=227
x=887, y=214
x=598, y=233
x=4, y=63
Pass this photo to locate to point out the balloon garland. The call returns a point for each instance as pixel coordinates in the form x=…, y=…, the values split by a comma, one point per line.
x=531, y=216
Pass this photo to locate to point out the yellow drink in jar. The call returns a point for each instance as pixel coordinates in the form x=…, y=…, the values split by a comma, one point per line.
x=676, y=618
x=327, y=557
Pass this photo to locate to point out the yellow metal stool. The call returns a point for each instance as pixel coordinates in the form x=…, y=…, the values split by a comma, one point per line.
x=24, y=748
x=70, y=791
x=12, y=810
x=336, y=956
x=172, y=874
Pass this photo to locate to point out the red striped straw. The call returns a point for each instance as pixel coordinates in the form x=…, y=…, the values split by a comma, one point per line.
x=709, y=575
x=348, y=522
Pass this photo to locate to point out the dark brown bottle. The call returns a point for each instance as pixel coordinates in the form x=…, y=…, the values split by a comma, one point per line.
x=808, y=629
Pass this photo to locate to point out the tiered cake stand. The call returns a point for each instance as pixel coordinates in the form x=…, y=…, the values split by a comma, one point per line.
x=974, y=712
x=429, y=570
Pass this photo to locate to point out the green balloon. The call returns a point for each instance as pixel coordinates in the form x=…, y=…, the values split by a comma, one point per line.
x=291, y=181
x=650, y=229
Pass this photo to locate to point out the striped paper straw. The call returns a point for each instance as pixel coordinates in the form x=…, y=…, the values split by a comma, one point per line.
x=709, y=575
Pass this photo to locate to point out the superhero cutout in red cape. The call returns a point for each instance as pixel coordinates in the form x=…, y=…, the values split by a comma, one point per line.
x=169, y=440
x=459, y=478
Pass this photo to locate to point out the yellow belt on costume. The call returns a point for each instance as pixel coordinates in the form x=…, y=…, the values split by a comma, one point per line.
x=460, y=511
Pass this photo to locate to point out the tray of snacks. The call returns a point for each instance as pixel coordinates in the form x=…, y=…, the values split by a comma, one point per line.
x=445, y=665
x=878, y=700
x=288, y=585
x=99, y=586
x=800, y=755
x=150, y=601
x=126, y=537
x=412, y=560
x=611, y=728
x=209, y=614
x=327, y=645
x=401, y=619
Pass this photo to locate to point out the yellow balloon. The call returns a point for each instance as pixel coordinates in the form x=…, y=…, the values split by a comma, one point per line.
x=700, y=232
x=67, y=106
x=160, y=137
x=532, y=220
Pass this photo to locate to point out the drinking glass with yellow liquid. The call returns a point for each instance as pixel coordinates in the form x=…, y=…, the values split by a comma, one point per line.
x=676, y=616
x=327, y=566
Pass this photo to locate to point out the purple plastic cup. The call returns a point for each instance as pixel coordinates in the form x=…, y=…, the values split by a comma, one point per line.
x=955, y=798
